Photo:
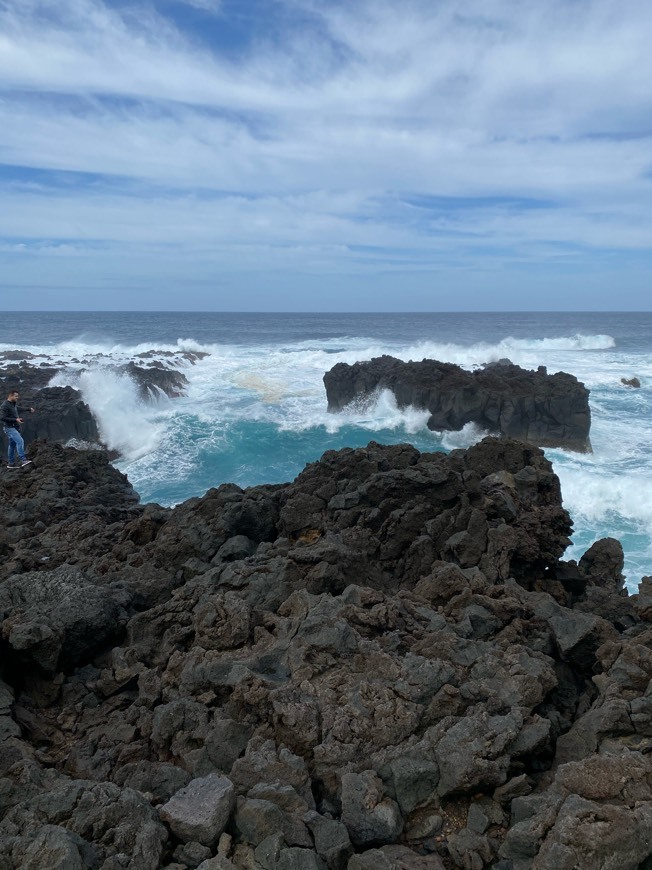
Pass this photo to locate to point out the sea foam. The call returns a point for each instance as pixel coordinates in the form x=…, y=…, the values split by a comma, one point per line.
x=256, y=413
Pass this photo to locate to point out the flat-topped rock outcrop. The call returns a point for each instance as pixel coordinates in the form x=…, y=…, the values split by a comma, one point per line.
x=500, y=398
x=386, y=663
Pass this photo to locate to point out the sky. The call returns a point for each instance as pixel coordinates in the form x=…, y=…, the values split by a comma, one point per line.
x=325, y=155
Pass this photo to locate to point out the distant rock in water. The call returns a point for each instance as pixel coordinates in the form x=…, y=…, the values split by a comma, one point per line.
x=631, y=382
x=502, y=398
x=155, y=379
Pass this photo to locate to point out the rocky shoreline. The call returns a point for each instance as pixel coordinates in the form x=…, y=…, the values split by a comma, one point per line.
x=383, y=664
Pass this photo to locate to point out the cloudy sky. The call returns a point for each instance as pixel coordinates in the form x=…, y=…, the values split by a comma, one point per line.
x=326, y=154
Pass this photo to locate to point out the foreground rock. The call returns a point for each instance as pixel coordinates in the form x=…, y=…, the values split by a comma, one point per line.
x=384, y=664
x=547, y=410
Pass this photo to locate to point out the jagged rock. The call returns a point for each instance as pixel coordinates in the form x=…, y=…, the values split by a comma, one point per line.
x=474, y=752
x=595, y=810
x=192, y=854
x=631, y=382
x=155, y=379
x=548, y=410
x=389, y=644
x=268, y=851
x=299, y=859
x=200, y=810
x=368, y=815
x=331, y=838
x=257, y=820
x=85, y=823
x=413, y=780
x=603, y=563
x=394, y=858
x=161, y=780
x=470, y=850
x=58, y=617
x=60, y=415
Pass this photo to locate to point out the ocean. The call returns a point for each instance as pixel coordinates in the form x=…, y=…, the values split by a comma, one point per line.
x=255, y=410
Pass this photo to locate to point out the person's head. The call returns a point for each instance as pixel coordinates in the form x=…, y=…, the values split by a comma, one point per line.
x=12, y=395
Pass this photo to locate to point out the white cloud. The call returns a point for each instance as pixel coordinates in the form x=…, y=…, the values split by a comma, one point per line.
x=213, y=6
x=319, y=133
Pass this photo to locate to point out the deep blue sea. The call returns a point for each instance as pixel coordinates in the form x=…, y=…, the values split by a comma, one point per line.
x=256, y=405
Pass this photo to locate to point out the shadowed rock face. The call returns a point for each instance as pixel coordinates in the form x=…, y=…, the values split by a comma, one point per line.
x=60, y=413
x=155, y=378
x=547, y=410
x=384, y=663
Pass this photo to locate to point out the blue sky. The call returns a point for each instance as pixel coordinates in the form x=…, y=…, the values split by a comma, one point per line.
x=325, y=155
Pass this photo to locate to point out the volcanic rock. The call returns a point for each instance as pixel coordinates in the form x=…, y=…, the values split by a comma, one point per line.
x=199, y=811
x=502, y=398
x=156, y=379
x=383, y=664
x=60, y=414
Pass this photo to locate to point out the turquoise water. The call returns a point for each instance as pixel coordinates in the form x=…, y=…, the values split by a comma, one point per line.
x=255, y=411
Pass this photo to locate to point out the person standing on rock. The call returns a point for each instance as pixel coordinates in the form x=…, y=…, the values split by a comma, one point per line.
x=11, y=426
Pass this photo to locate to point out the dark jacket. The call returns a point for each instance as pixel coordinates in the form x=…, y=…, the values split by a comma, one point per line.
x=10, y=415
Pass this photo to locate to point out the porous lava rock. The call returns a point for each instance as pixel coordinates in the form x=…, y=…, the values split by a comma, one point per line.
x=383, y=664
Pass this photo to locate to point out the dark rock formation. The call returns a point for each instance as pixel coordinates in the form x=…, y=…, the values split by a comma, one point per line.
x=155, y=379
x=384, y=664
x=631, y=382
x=61, y=414
x=547, y=410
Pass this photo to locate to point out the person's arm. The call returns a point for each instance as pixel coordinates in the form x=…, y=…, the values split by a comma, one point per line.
x=24, y=410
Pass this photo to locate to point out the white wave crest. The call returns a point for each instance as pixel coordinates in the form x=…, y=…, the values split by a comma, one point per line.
x=527, y=351
x=594, y=496
x=125, y=422
x=467, y=436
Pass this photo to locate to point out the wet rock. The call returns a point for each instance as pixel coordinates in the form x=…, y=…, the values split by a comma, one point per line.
x=156, y=378
x=549, y=410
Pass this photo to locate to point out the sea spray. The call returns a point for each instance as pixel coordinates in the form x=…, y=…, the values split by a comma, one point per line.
x=255, y=409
